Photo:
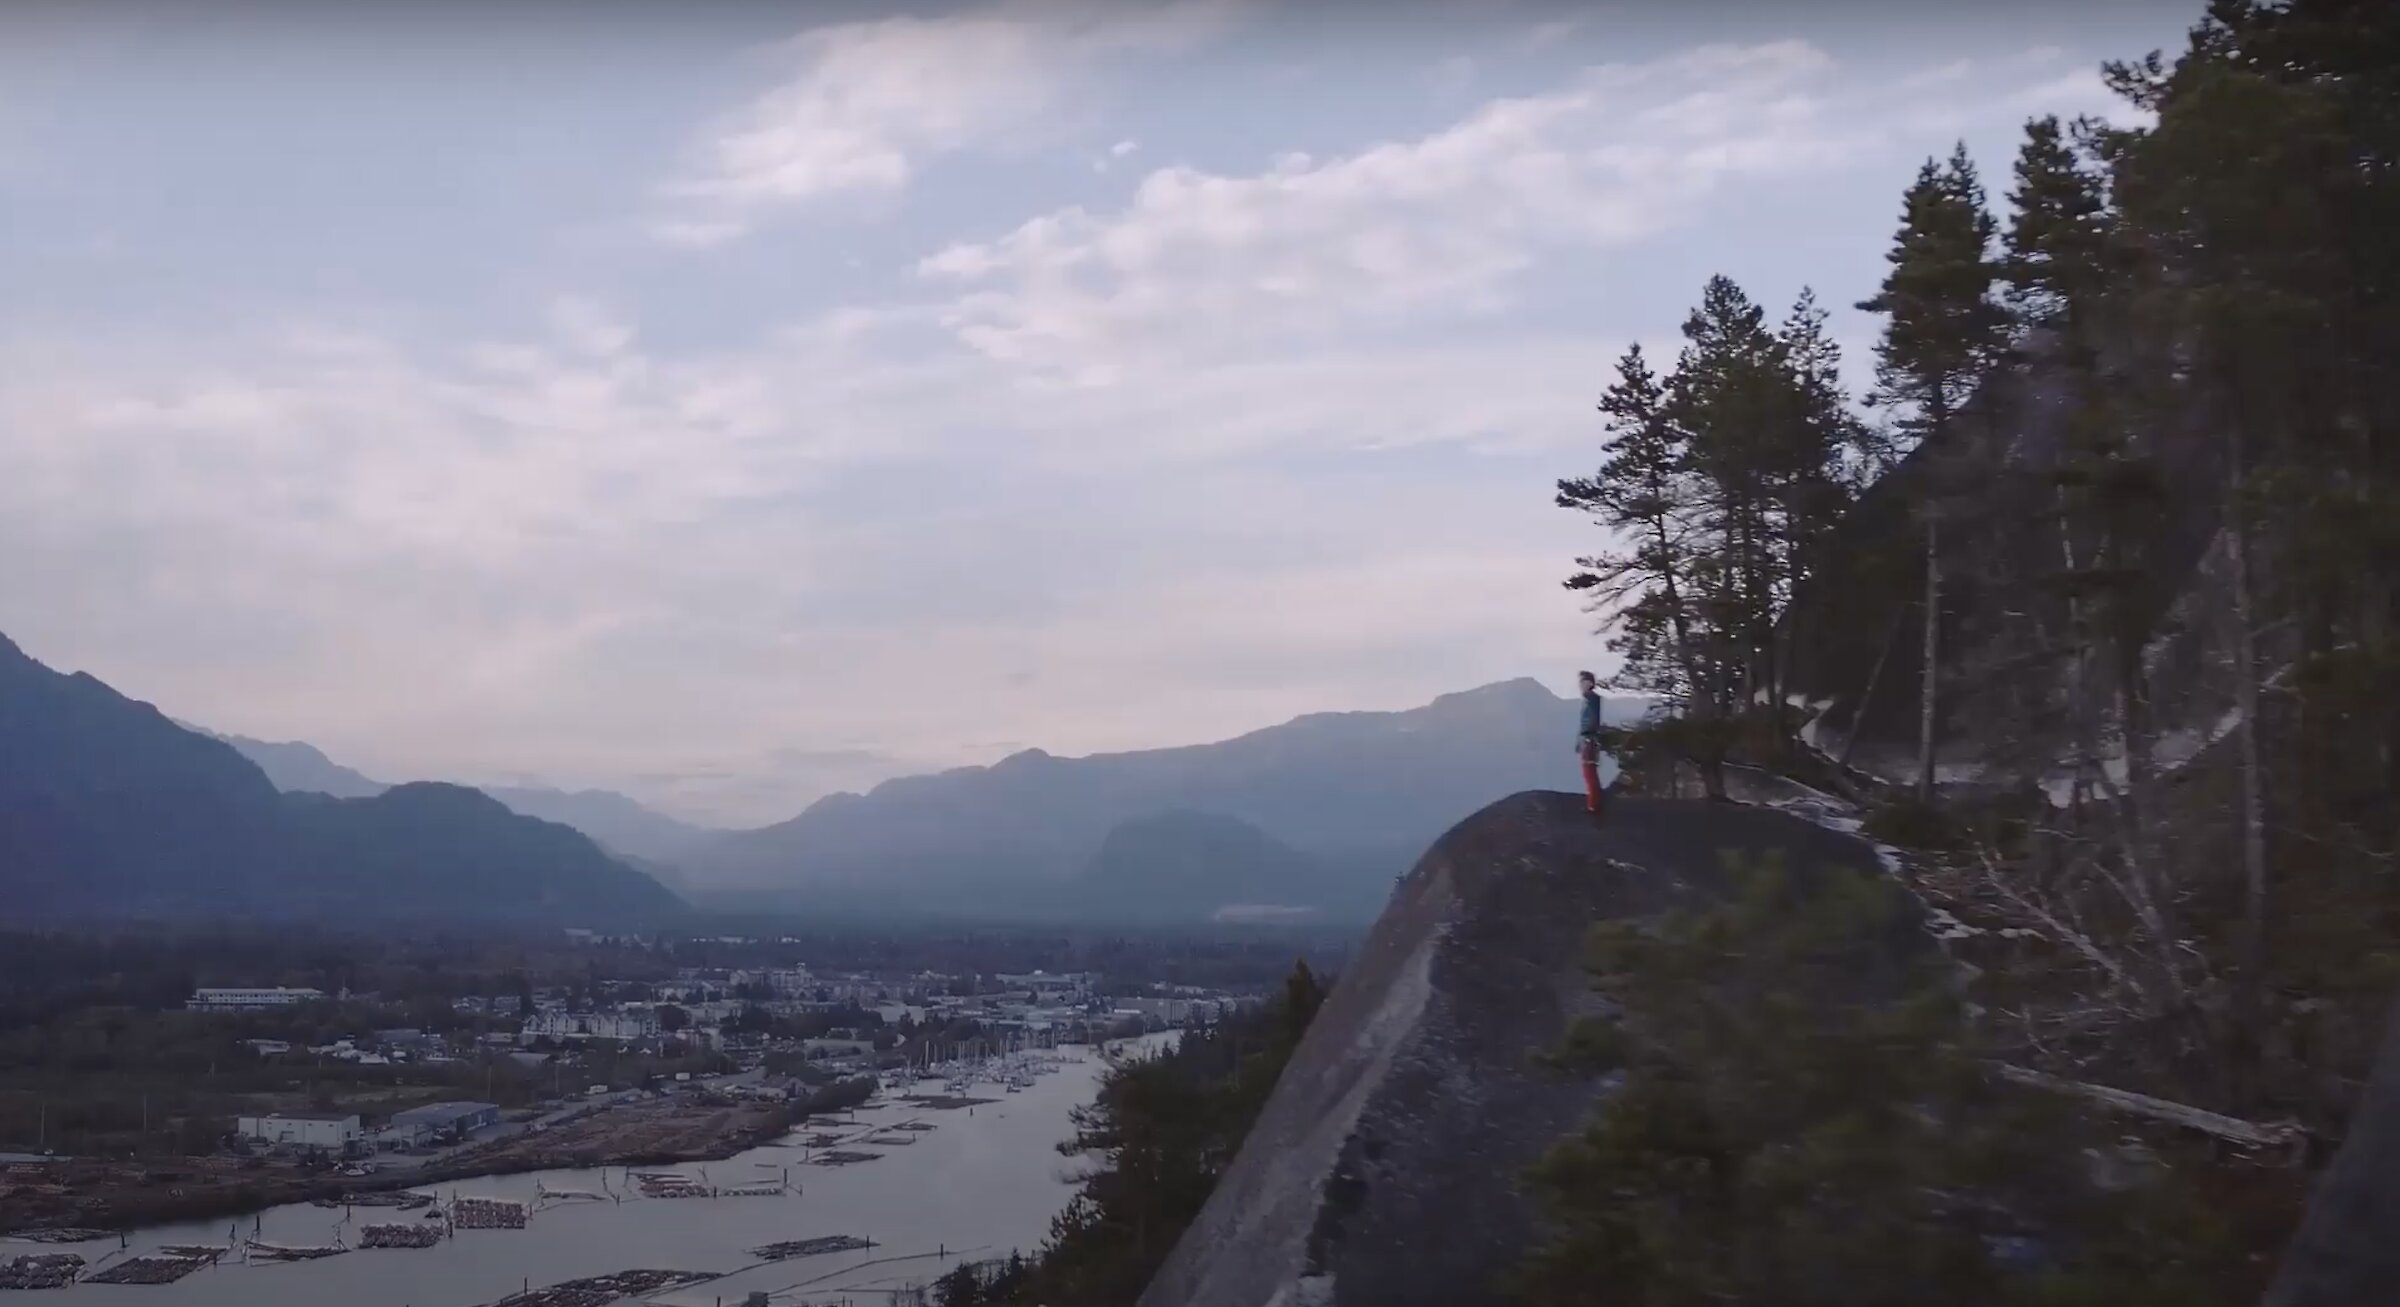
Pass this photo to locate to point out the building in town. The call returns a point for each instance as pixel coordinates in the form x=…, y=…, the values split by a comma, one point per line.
x=1048, y=985
x=440, y=1122
x=303, y=1129
x=1175, y=1011
x=234, y=999
x=634, y=1023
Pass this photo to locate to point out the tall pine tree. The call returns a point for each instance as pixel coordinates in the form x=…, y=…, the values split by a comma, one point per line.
x=1731, y=396
x=1945, y=331
x=1644, y=496
x=2058, y=233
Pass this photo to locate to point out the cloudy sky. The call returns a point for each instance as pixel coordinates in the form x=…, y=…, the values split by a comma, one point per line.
x=728, y=402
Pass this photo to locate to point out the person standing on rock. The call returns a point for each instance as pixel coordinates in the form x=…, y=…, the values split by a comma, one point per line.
x=1587, y=742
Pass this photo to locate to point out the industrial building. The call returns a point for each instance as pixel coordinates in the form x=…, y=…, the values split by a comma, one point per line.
x=627, y=1025
x=442, y=1121
x=335, y=1130
x=250, y=999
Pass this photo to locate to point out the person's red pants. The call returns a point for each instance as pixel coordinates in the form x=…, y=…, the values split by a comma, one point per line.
x=1591, y=781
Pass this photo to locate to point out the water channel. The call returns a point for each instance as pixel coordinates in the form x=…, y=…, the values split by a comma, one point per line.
x=977, y=1185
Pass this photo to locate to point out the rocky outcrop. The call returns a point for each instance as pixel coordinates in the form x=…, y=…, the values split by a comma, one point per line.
x=1854, y=633
x=1386, y=1167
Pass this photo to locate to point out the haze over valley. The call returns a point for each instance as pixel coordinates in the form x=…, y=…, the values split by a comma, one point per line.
x=1200, y=653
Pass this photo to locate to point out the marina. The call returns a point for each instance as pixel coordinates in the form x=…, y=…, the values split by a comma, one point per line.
x=986, y=1181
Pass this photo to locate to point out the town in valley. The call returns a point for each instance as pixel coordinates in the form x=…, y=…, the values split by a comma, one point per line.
x=346, y=1067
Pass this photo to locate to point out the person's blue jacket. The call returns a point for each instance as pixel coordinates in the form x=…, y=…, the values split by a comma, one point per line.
x=1590, y=730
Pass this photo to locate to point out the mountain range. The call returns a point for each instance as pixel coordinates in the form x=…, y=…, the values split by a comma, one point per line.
x=1318, y=815
x=110, y=809
x=616, y=822
x=107, y=805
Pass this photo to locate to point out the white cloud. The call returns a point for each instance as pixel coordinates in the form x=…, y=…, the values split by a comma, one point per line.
x=867, y=103
x=1198, y=263
x=1544, y=35
x=2072, y=93
x=1259, y=434
x=1951, y=73
x=588, y=328
x=569, y=555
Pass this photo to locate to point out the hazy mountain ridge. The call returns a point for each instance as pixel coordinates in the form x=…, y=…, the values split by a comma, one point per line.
x=1185, y=865
x=1359, y=792
x=110, y=809
x=617, y=822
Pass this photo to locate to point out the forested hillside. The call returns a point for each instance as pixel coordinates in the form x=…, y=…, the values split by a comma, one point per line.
x=2134, y=441
x=2094, y=601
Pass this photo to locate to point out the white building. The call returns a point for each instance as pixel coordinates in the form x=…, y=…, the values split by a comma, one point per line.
x=249, y=1000
x=304, y=1129
x=1175, y=1011
x=635, y=1023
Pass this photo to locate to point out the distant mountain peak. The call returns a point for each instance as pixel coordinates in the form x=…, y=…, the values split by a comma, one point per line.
x=1322, y=809
x=1524, y=688
x=442, y=792
x=617, y=822
x=115, y=810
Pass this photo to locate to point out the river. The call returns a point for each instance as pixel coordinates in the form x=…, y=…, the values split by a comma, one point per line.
x=976, y=1186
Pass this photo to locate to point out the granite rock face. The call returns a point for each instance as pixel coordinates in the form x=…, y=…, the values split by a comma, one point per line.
x=2345, y=1253
x=1386, y=1167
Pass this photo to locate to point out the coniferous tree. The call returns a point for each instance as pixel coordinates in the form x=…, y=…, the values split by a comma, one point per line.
x=1723, y=481
x=1730, y=395
x=1643, y=494
x=2058, y=235
x=1820, y=459
x=1944, y=333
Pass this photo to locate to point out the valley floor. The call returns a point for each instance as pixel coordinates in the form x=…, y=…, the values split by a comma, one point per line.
x=97, y=1194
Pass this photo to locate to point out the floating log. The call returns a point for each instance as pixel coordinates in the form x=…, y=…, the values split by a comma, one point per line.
x=487, y=1213
x=400, y=1198
x=544, y=1193
x=672, y=1184
x=400, y=1234
x=817, y=1247
x=40, y=1271
x=754, y=1189
x=601, y=1290
x=281, y=1252
x=63, y=1234
x=150, y=1269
